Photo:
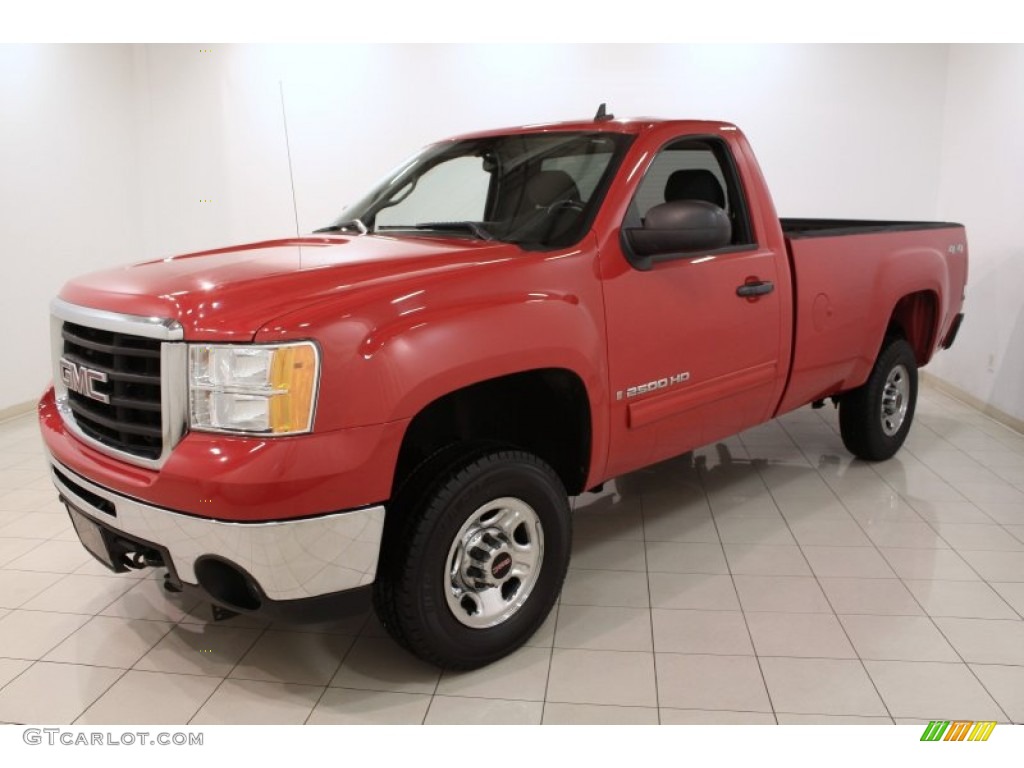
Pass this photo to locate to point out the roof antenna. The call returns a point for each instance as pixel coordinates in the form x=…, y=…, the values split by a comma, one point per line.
x=602, y=114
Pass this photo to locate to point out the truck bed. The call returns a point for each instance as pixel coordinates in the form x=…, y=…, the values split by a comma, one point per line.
x=797, y=228
x=846, y=288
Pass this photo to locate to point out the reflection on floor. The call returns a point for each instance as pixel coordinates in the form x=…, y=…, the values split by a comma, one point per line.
x=766, y=579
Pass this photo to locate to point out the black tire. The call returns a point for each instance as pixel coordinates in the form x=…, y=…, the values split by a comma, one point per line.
x=868, y=431
x=413, y=583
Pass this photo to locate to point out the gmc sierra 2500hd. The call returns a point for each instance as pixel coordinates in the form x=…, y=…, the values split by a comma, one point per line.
x=403, y=402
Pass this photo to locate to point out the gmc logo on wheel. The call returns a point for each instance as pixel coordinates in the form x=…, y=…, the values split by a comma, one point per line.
x=78, y=378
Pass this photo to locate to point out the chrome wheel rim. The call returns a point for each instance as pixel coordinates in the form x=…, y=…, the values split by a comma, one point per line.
x=895, y=400
x=494, y=562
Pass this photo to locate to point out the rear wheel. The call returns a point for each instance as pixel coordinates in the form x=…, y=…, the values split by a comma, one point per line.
x=478, y=558
x=875, y=418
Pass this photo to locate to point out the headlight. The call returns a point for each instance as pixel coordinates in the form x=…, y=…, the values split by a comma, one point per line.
x=253, y=389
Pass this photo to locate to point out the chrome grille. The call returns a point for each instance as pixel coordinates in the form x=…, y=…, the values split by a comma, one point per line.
x=131, y=420
x=120, y=381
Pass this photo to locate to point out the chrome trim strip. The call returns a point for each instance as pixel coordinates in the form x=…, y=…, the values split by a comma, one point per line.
x=173, y=372
x=173, y=397
x=136, y=325
x=290, y=559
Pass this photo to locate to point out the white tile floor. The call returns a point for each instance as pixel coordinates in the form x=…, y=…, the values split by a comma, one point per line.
x=766, y=579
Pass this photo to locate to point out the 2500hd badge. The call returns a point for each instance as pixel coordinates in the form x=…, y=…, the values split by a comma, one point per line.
x=652, y=386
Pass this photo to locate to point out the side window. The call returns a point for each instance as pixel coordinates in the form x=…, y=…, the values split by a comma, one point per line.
x=694, y=169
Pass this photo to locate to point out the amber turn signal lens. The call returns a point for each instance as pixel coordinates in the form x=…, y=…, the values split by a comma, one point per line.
x=293, y=379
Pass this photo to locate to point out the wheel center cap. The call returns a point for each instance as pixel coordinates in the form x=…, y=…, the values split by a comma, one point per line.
x=501, y=565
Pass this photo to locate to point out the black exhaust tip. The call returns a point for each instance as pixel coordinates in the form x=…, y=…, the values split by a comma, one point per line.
x=228, y=584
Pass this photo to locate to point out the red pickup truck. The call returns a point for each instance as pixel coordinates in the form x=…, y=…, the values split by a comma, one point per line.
x=402, y=403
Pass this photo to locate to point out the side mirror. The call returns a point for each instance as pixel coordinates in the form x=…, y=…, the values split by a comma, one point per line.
x=681, y=226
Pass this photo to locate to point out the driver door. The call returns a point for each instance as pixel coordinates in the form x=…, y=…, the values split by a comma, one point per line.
x=691, y=361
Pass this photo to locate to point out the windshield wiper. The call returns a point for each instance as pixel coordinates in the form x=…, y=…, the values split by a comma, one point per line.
x=470, y=226
x=355, y=224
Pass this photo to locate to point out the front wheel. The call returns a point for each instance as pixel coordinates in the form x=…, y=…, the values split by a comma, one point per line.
x=875, y=418
x=479, y=560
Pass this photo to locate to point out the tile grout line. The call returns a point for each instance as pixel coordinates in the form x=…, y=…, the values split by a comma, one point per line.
x=960, y=655
x=984, y=416
x=551, y=661
x=102, y=693
x=224, y=679
x=60, y=642
x=39, y=543
x=924, y=610
x=433, y=694
x=341, y=662
x=817, y=580
x=124, y=671
x=557, y=614
x=736, y=592
x=938, y=533
x=650, y=606
x=492, y=698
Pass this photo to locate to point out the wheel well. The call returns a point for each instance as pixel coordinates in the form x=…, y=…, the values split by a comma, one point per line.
x=545, y=412
x=913, y=318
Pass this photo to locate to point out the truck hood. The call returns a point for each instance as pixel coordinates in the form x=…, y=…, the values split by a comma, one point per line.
x=230, y=293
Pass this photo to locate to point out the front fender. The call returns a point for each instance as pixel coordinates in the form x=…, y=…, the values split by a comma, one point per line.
x=389, y=353
x=415, y=361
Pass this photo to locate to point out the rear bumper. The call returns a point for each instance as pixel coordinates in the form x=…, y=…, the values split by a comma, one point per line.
x=289, y=560
x=954, y=329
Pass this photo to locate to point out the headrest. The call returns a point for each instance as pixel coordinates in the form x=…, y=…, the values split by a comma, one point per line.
x=548, y=187
x=694, y=184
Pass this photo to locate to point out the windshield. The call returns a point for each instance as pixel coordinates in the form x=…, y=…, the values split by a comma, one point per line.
x=539, y=190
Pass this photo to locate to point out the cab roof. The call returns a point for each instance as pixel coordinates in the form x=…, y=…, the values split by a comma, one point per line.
x=634, y=125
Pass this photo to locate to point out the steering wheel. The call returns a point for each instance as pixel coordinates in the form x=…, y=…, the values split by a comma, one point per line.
x=567, y=204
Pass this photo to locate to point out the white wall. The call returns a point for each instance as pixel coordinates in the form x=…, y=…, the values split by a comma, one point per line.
x=982, y=186
x=852, y=131
x=840, y=130
x=68, y=189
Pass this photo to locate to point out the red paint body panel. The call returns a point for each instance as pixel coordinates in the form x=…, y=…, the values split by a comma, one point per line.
x=392, y=348
x=228, y=294
x=401, y=322
x=853, y=286
x=244, y=479
x=684, y=316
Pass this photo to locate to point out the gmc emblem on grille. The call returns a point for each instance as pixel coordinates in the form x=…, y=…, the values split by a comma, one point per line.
x=78, y=378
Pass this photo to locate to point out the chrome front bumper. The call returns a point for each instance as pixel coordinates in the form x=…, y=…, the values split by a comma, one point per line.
x=289, y=559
